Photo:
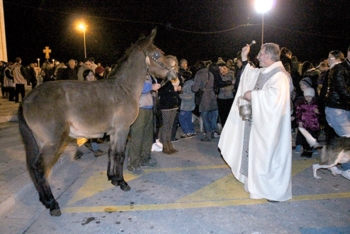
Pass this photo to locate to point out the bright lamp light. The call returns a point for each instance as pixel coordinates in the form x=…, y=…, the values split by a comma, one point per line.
x=263, y=6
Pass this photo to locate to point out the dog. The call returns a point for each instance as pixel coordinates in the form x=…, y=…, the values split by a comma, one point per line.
x=337, y=151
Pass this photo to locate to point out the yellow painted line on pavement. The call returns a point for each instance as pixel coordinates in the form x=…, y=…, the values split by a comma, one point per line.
x=186, y=168
x=98, y=182
x=196, y=205
x=313, y=197
x=230, y=188
x=226, y=191
x=300, y=165
x=226, y=188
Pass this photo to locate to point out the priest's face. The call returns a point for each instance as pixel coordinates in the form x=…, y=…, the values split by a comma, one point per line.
x=263, y=58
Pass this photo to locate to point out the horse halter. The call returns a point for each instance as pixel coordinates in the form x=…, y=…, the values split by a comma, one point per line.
x=155, y=56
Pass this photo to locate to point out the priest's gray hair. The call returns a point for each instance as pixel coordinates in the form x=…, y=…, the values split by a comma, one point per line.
x=273, y=50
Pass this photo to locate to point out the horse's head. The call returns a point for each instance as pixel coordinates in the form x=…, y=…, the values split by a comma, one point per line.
x=157, y=63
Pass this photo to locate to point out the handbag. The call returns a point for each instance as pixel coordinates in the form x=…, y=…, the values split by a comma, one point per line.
x=199, y=94
x=198, y=97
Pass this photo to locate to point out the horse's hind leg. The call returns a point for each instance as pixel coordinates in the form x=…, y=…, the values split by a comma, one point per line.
x=36, y=164
x=36, y=167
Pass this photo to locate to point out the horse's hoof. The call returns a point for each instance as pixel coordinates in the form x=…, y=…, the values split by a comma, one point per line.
x=125, y=188
x=114, y=182
x=55, y=212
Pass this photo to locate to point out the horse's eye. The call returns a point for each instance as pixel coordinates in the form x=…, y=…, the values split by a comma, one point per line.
x=156, y=55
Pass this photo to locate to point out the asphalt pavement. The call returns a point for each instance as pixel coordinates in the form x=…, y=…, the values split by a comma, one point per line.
x=192, y=191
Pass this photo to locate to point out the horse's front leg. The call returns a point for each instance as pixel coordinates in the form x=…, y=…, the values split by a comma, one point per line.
x=115, y=166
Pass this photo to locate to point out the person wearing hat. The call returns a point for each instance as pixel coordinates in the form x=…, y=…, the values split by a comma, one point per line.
x=304, y=83
x=307, y=116
x=99, y=73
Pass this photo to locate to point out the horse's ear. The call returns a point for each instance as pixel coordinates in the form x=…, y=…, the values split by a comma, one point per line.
x=142, y=36
x=153, y=34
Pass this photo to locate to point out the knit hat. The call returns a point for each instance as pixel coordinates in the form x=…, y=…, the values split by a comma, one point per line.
x=307, y=81
x=309, y=92
x=99, y=70
x=221, y=62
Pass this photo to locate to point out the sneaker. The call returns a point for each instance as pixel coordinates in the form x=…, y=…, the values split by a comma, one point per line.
x=215, y=134
x=174, y=139
x=346, y=174
x=297, y=148
x=188, y=135
x=135, y=171
x=98, y=153
x=150, y=163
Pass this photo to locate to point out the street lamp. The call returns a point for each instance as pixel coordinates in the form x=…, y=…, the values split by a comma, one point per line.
x=82, y=27
x=263, y=6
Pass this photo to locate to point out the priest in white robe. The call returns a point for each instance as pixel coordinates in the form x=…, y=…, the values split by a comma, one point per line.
x=259, y=150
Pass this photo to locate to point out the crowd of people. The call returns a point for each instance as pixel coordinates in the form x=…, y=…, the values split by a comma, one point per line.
x=283, y=93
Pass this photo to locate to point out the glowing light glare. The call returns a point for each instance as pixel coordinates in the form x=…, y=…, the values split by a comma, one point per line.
x=82, y=26
x=263, y=6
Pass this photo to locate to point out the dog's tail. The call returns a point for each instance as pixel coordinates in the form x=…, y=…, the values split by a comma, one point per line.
x=309, y=138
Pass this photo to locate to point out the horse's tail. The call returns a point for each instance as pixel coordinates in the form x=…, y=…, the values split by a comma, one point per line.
x=30, y=144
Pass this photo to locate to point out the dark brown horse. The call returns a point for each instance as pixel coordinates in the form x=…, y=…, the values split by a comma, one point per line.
x=55, y=111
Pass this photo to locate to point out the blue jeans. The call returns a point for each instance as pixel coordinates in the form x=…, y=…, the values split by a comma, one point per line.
x=185, y=118
x=339, y=120
x=94, y=146
x=345, y=166
x=210, y=119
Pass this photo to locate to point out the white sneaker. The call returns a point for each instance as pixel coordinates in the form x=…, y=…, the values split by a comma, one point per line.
x=346, y=174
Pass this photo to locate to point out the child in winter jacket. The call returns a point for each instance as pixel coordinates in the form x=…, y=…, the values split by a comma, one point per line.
x=307, y=116
x=187, y=106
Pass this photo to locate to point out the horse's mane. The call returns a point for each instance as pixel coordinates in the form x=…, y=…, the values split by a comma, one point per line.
x=142, y=41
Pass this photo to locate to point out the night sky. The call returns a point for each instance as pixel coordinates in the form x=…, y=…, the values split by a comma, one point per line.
x=195, y=30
